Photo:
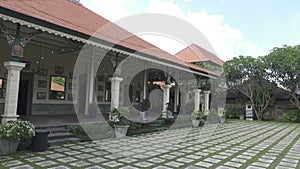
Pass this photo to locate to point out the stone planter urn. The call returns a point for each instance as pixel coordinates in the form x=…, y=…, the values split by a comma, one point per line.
x=196, y=122
x=121, y=131
x=8, y=145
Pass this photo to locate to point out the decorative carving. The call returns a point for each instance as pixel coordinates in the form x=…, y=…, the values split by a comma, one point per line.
x=11, y=39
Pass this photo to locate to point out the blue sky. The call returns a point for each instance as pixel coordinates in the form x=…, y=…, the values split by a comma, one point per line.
x=234, y=27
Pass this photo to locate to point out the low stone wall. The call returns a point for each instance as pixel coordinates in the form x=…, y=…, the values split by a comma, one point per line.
x=279, y=109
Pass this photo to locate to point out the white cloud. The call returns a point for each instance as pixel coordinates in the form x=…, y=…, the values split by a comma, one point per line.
x=111, y=10
x=228, y=42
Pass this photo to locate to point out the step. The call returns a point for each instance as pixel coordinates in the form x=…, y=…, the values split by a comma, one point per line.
x=55, y=125
x=53, y=136
x=63, y=141
x=58, y=130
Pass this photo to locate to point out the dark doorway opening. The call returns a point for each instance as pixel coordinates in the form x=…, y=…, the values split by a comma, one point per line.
x=25, y=94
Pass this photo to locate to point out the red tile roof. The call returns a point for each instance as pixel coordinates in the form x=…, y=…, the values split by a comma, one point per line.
x=76, y=17
x=195, y=53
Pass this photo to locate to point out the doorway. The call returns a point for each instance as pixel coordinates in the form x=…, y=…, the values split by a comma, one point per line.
x=25, y=93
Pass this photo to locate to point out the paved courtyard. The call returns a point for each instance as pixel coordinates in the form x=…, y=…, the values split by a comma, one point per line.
x=236, y=144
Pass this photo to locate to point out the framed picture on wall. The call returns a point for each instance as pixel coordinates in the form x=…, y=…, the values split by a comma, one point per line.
x=72, y=76
x=42, y=72
x=71, y=97
x=72, y=86
x=59, y=70
x=100, y=98
x=101, y=88
x=41, y=95
x=100, y=78
x=42, y=83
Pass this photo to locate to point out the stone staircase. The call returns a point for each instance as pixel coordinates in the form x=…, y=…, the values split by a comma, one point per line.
x=58, y=134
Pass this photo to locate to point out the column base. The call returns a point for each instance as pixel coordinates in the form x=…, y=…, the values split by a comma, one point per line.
x=6, y=118
x=206, y=112
x=164, y=115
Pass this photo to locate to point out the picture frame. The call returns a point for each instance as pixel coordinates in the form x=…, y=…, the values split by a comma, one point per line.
x=72, y=86
x=42, y=72
x=59, y=70
x=100, y=88
x=72, y=76
x=1, y=82
x=42, y=84
x=71, y=97
x=1, y=87
x=41, y=95
x=100, y=98
x=100, y=78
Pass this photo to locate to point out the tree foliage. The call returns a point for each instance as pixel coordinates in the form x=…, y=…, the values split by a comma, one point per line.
x=284, y=67
x=250, y=76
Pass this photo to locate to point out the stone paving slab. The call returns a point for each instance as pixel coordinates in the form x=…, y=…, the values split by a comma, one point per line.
x=235, y=144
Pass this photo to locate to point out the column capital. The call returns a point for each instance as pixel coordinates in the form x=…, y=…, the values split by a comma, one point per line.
x=116, y=79
x=197, y=90
x=12, y=65
x=167, y=86
x=206, y=92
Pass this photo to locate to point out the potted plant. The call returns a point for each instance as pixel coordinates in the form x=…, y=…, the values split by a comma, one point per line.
x=14, y=132
x=197, y=117
x=221, y=114
x=118, y=121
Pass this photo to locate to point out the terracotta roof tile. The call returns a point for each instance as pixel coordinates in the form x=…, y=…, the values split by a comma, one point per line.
x=76, y=17
x=195, y=53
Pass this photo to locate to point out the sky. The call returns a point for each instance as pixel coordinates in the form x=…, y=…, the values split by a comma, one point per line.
x=233, y=27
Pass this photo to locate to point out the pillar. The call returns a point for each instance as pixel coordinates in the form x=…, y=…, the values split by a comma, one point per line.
x=145, y=85
x=206, y=96
x=166, y=100
x=91, y=82
x=12, y=90
x=184, y=100
x=197, y=99
x=115, y=91
x=176, y=102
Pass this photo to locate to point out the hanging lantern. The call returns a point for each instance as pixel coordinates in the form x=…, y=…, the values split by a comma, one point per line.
x=17, y=49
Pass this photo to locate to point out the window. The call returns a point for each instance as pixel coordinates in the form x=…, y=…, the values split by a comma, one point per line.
x=57, y=88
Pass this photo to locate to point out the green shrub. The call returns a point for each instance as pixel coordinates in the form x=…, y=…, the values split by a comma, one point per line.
x=292, y=116
x=233, y=111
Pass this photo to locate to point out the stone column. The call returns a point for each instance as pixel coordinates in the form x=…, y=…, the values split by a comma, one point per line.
x=145, y=85
x=206, y=95
x=12, y=90
x=166, y=100
x=115, y=91
x=176, y=102
x=184, y=100
x=197, y=99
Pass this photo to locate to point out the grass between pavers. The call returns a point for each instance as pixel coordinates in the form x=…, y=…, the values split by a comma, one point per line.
x=285, y=152
x=257, y=156
x=222, y=129
x=234, y=155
